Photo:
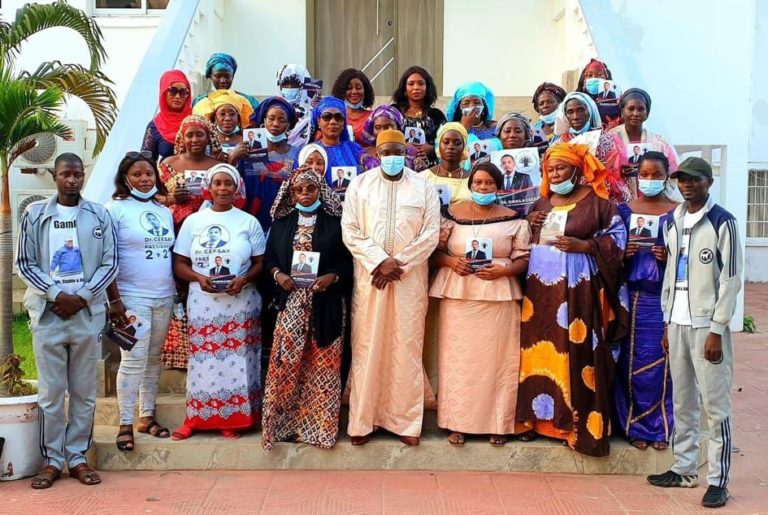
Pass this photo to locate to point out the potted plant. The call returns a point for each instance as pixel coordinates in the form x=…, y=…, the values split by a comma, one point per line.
x=20, y=451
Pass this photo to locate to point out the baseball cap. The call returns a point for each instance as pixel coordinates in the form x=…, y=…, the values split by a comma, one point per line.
x=693, y=166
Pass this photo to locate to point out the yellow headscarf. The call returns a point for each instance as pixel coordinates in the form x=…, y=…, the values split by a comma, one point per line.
x=207, y=106
x=592, y=171
x=453, y=126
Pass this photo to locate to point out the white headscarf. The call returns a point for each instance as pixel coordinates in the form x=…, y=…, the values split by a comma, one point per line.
x=307, y=150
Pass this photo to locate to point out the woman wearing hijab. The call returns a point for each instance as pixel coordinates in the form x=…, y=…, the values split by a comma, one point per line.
x=291, y=81
x=589, y=84
x=230, y=113
x=473, y=106
x=315, y=157
x=263, y=179
x=578, y=121
x=173, y=106
x=330, y=118
x=220, y=69
x=451, y=173
x=353, y=87
x=303, y=386
x=219, y=251
x=546, y=100
x=574, y=310
x=382, y=118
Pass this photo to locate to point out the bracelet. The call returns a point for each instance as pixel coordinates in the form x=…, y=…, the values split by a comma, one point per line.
x=274, y=275
x=115, y=301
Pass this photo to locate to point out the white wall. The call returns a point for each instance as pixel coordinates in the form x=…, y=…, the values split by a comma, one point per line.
x=758, y=149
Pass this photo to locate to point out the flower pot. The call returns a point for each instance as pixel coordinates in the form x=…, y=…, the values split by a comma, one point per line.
x=19, y=426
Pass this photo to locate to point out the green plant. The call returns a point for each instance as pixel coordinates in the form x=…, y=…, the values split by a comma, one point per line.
x=749, y=324
x=12, y=381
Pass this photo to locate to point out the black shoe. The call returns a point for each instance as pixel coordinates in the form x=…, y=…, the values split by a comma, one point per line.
x=715, y=497
x=671, y=479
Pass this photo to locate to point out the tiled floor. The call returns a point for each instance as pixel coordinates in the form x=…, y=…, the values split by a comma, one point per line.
x=423, y=493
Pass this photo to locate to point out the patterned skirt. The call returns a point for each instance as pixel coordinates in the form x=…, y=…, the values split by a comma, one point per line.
x=176, y=345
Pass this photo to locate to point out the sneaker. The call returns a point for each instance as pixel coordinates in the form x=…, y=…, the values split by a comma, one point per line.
x=715, y=497
x=670, y=479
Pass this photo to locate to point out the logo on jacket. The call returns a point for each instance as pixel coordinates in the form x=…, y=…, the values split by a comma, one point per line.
x=706, y=256
x=97, y=232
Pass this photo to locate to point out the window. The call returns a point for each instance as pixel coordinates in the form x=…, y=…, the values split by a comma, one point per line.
x=109, y=7
x=757, y=204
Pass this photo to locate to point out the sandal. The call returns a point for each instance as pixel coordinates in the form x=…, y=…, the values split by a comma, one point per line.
x=125, y=444
x=528, y=436
x=660, y=446
x=228, y=433
x=498, y=440
x=154, y=429
x=456, y=439
x=638, y=444
x=45, y=478
x=181, y=433
x=360, y=440
x=85, y=474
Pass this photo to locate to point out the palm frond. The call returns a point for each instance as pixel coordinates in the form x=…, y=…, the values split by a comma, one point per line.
x=34, y=18
x=92, y=87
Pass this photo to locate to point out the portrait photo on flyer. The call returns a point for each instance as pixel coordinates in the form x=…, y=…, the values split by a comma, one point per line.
x=478, y=251
x=643, y=229
x=554, y=226
x=304, y=267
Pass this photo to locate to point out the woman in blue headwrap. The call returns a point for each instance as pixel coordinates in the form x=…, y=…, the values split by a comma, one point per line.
x=330, y=118
x=263, y=179
x=472, y=105
x=220, y=69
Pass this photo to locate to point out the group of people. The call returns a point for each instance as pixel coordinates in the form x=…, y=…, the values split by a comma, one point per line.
x=387, y=269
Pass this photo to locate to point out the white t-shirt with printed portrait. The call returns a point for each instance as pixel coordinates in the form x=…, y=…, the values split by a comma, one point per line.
x=66, y=266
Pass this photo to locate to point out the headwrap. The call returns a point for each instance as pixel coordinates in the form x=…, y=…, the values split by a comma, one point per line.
x=471, y=89
x=520, y=118
x=207, y=106
x=386, y=111
x=390, y=136
x=167, y=121
x=285, y=205
x=220, y=61
x=592, y=171
x=330, y=103
x=308, y=150
x=453, y=126
x=636, y=94
x=230, y=170
x=547, y=87
x=195, y=120
x=593, y=64
x=561, y=123
x=257, y=118
x=296, y=72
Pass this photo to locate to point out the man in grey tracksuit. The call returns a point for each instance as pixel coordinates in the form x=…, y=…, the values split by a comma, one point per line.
x=698, y=298
x=66, y=300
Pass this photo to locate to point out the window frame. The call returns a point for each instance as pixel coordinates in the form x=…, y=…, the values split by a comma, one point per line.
x=757, y=241
x=117, y=11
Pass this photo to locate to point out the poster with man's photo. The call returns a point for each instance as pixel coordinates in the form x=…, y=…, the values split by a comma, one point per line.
x=480, y=149
x=304, y=267
x=478, y=251
x=256, y=140
x=521, y=178
x=137, y=326
x=635, y=152
x=415, y=136
x=553, y=227
x=193, y=181
x=342, y=176
x=643, y=229
x=608, y=91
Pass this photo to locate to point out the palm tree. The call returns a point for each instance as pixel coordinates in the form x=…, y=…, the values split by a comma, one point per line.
x=31, y=103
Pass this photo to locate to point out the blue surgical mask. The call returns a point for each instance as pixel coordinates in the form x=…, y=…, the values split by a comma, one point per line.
x=308, y=209
x=651, y=187
x=564, y=188
x=233, y=131
x=276, y=139
x=592, y=85
x=290, y=94
x=584, y=128
x=359, y=105
x=392, y=165
x=483, y=199
x=549, y=119
x=466, y=111
x=139, y=195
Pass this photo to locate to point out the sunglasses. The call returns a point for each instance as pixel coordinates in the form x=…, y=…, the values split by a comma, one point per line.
x=136, y=155
x=182, y=92
x=327, y=117
x=309, y=188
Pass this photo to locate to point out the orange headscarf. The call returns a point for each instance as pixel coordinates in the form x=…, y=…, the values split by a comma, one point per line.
x=592, y=171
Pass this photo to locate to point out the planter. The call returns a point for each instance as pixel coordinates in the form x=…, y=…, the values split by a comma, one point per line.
x=19, y=426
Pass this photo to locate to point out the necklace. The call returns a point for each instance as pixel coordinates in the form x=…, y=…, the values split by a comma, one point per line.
x=449, y=173
x=307, y=221
x=475, y=232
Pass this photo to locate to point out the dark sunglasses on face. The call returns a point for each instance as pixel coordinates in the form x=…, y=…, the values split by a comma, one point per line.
x=309, y=188
x=182, y=92
x=327, y=117
x=135, y=155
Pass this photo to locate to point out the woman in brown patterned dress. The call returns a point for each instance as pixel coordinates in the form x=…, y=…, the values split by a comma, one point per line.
x=303, y=386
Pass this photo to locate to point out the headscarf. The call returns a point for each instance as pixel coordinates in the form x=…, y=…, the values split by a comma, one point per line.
x=471, y=89
x=257, y=118
x=207, y=106
x=593, y=64
x=220, y=61
x=230, y=170
x=167, y=121
x=308, y=150
x=561, y=123
x=296, y=72
x=592, y=171
x=386, y=111
x=520, y=118
x=330, y=103
x=195, y=120
x=635, y=94
x=547, y=87
x=284, y=204
x=453, y=126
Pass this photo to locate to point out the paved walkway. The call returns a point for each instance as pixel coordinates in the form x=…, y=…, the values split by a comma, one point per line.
x=306, y=492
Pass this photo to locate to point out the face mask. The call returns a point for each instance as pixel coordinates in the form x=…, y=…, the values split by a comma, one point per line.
x=564, y=188
x=359, y=105
x=233, y=131
x=308, y=209
x=392, y=165
x=549, y=119
x=592, y=85
x=466, y=111
x=290, y=94
x=139, y=195
x=584, y=128
x=276, y=139
x=651, y=187
x=483, y=199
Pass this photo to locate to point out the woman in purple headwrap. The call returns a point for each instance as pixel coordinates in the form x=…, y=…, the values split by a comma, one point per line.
x=382, y=118
x=220, y=69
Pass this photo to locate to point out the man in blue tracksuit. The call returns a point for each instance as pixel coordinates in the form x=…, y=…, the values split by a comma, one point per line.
x=701, y=284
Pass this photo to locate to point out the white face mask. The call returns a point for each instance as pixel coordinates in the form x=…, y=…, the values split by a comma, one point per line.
x=139, y=195
x=290, y=94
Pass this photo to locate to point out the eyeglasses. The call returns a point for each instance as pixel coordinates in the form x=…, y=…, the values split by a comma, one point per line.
x=146, y=154
x=327, y=117
x=182, y=92
x=309, y=188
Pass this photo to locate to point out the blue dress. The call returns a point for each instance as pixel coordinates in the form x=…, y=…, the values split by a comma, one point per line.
x=155, y=143
x=263, y=180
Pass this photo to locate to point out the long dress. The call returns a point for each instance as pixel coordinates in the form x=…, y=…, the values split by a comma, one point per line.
x=479, y=338
x=400, y=219
x=574, y=317
x=263, y=180
x=643, y=388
